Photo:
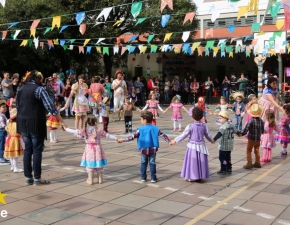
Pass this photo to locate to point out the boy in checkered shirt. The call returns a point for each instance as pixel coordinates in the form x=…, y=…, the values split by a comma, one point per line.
x=226, y=143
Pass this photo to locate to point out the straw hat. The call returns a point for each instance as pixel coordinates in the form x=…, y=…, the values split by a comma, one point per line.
x=238, y=94
x=2, y=101
x=255, y=110
x=105, y=100
x=224, y=114
x=13, y=113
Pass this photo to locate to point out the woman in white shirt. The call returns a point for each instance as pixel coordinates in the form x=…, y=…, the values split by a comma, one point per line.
x=167, y=90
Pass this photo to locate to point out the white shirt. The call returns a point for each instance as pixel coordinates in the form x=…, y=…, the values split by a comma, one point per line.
x=121, y=89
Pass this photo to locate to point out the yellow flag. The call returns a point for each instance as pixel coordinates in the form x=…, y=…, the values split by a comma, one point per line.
x=56, y=22
x=253, y=6
x=243, y=11
x=98, y=49
x=194, y=46
x=55, y=42
x=167, y=37
x=118, y=22
x=273, y=52
x=86, y=42
x=177, y=50
x=24, y=43
x=215, y=49
x=261, y=33
x=287, y=45
x=32, y=32
x=288, y=50
x=143, y=49
x=231, y=54
x=280, y=24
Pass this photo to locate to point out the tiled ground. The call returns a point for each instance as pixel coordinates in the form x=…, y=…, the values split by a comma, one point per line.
x=258, y=196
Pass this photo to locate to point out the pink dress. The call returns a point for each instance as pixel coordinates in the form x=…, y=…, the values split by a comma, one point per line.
x=284, y=135
x=153, y=106
x=248, y=116
x=176, y=111
x=267, y=104
x=268, y=139
x=97, y=90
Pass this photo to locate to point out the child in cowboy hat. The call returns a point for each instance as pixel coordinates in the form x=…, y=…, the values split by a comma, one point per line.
x=254, y=128
x=238, y=108
x=226, y=143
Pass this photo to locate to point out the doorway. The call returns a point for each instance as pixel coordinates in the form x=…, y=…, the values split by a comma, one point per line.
x=221, y=72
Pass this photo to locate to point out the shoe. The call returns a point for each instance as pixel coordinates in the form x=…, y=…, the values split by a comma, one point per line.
x=40, y=182
x=29, y=181
x=154, y=181
x=229, y=171
x=248, y=165
x=221, y=172
x=12, y=168
x=143, y=180
x=18, y=170
x=174, y=130
x=269, y=160
x=283, y=153
x=263, y=160
x=66, y=115
x=257, y=165
x=4, y=162
x=179, y=130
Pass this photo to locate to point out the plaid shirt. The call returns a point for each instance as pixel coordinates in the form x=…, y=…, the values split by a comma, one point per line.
x=255, y=127
x=41, y=94
x=226, y=137
x=146, y=151
x=3, y=121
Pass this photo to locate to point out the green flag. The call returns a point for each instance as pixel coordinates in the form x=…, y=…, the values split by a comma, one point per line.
x=209, y=44
x=223, y=46
x=229, y=48
x=206, y=52
x=30, y=44
x=65, y=47
x=136, y=9
x=47, y=29
x=72, y=41
x=150, y=37
x=140, y=20
x=105, y=50
x=154, y=48
x=274, y=9
x=248, y=54
x=255, y=27
x=238, y=48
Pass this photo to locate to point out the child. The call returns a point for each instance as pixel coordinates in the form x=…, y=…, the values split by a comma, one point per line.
x=133, y=96
x=251, y=98
x=66, y=92
x=238, y=108
x=254, y=128
x=11, y=101
x=14, y=146
x=176, y=111
x=268, y=138
x=94, y=158
x=284, y=135
x=3, y=133
x=105, y=111
x=148, y=144
x=53, y=123
x=195, y=164
x=202, y=105
x=127, y=108
x=226, y=142
x=223, y=106
x=153, y=104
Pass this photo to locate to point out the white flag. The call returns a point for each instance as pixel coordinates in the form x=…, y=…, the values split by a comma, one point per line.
x=16, y=34
x=116, y=50
x=185, y=35
x=36, y=42
x=105, y=13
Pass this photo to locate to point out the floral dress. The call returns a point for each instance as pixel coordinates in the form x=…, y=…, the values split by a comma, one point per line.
x=176, y=113
x=97, y=90
x=153, y=106
x=81, y=104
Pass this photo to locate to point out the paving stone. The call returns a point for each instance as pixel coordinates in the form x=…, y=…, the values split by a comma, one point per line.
x=134, y=201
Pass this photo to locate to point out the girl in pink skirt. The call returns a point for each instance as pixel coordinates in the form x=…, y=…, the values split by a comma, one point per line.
x=284, y=135
x=153, y=105
x=176, y=106
x=268, y=138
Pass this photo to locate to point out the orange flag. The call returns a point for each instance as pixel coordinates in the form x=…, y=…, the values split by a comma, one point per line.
x=188, y=16
x=4, y=33
x=165, y=3
x=41, y=44
x=209, y=32
x=34, y=24
x=81, y=49
x=83, y=28
x=254, y=42
x=123, y=50
x=50, y=43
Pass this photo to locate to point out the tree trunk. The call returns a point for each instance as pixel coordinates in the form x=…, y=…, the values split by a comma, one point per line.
x=108, y=64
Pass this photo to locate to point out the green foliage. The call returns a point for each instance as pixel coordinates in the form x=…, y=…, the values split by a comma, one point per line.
x=20, y=59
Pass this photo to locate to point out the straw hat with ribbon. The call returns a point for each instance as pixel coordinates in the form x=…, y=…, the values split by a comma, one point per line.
x=255, y=110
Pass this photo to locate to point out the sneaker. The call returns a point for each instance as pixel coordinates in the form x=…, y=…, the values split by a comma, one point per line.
x=221, y=172
x=179, y=130
x=4, y=162
x=143, y=180
x=283, y=153
x=229, y=171
x=18, y=170
x=174, y=130
x=154, y=181
x=12, y=168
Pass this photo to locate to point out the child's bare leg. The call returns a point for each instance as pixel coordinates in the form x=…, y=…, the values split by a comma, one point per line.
x=90, y=179
x=100, y=174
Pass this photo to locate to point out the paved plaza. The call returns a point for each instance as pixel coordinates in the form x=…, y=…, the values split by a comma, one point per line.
x=257, y=196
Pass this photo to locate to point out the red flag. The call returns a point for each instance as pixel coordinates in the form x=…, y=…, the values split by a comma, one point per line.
x=81, y=49
x=165, y=3
x=209, y=32
x=83, y=28
x=50, y=43
x=4, y=33
x=287, y=17
x=254, y=42
x=34, y=24
x=188, y=16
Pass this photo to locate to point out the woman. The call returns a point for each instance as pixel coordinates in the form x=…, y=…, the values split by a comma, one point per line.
x=243, y=82
x=194, y=86
x=208, y=90
x=185, y=86
x=96, y=90
x=217, y=86
x=225, y=88
x=81, y=105
x=270, y=97
x=167, y=90
x=175, y=85
x=66, y=93
x=139, y=86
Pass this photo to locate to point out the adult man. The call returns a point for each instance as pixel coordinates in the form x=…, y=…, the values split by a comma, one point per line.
x=57, y=86
x=233, y=82
x=32, y=100
x=61, y=74
x=120, y=90
x=7, y=89
x=70, y=70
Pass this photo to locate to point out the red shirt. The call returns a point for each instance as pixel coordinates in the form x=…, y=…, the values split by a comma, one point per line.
x=150, y=85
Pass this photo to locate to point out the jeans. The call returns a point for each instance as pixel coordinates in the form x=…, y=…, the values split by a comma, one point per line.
x=225, y=159
x=112, y=101
x=167, y=97
x=3, y=134
x=238, y=122
x=34, y=145
x=144, y=162
x=208, y=93
x=128, y=124
x=226, y=94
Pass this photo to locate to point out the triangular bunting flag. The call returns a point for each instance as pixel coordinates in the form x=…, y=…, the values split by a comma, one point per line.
x=56, y=22
x=150, y=37
x=143, y=49
x=105, y=13
x=32, y=32
x=105, y=50
x=83, y=28
x=165, y=3
x=136, y=8
x=208, y=32
x=100, y=39
x=124, y=49
x=81, y=50
x=243, y=11
x=24, y=43
x=80, y=17
x=36, y=42
x=194, y=46
x=86, y=42
x=63, y=28
x=89, y=48
x=34, y=24
x=140, y=20
x=185, y=36
x=4, y=33
x=47, y=30
x=118, y=22
x=116, y=50
x=99, y=50
x=164, y=20
x=188, y=16
x=167, y=37
x=16, y=34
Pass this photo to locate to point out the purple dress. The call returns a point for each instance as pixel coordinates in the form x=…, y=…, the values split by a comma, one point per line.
x=195, y=164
